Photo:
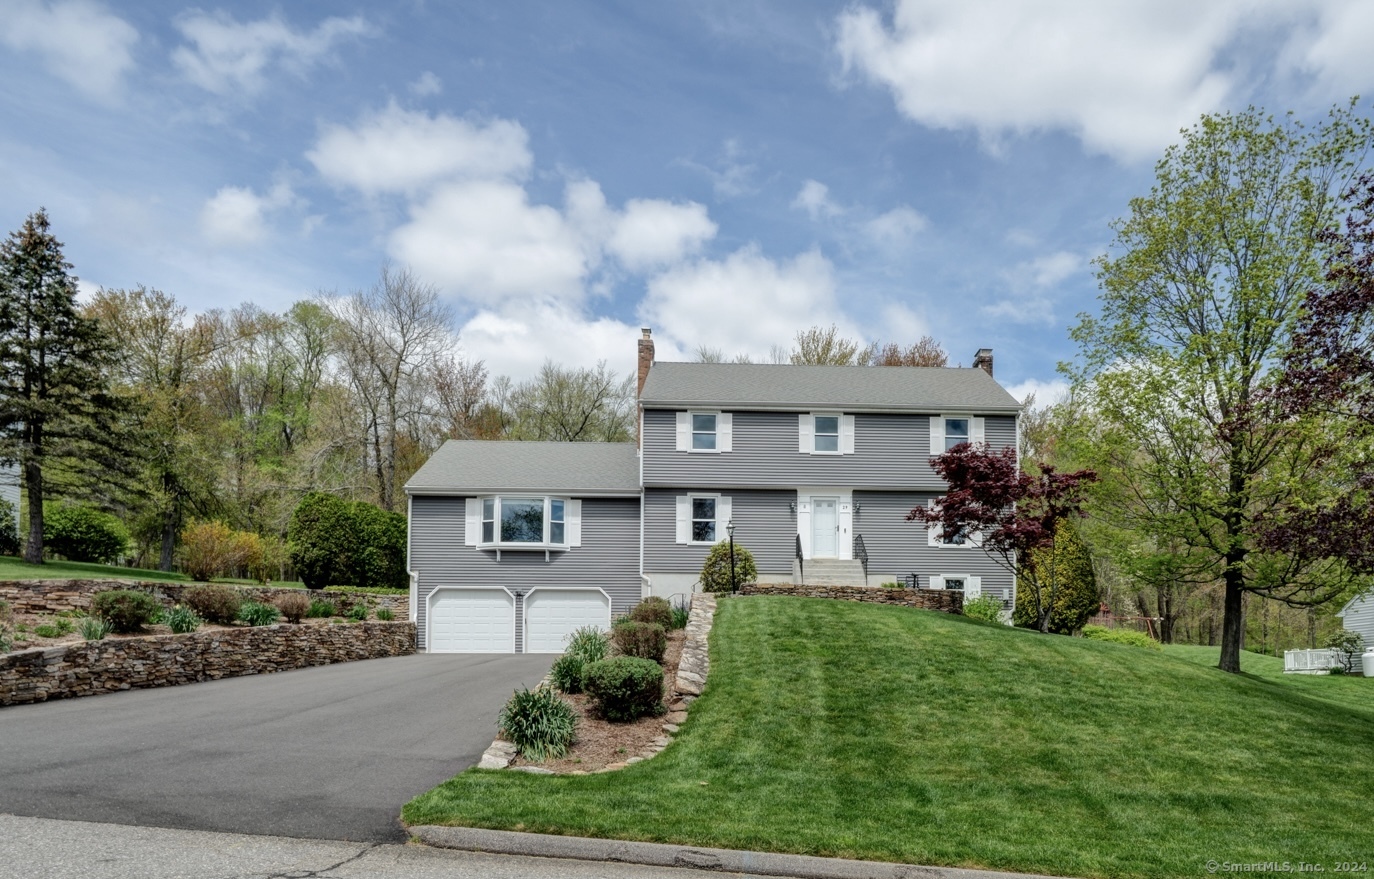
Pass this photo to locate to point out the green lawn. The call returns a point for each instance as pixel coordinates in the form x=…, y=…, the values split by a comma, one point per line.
x=858, y=730
x=12, y=568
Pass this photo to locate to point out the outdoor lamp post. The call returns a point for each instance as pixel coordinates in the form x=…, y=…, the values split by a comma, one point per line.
x=730, y=532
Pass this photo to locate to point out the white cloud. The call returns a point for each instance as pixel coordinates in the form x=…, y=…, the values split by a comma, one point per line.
x=745, y=303
x=396, y=150
x=895, y=228
x=731, y=176
x=1032, y=283
x=236, y=217
x=814, y=198
x=428, y=84
x=653, y=232
x=899, y=324
x=515, y=340
x=1021, y=309
x=1047, y=393
x=229, y=57
x=1047, y=271
x=79, y=41
x=1123, y=77
x=485, y=241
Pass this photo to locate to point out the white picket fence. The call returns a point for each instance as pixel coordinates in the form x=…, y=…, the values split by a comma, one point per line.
x=1314, y=662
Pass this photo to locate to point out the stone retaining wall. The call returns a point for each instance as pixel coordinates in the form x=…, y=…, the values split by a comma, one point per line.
x=52, y=596
x=89, y=668
x=943, y=600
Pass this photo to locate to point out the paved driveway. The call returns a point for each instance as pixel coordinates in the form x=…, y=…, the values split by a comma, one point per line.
x=326, y=753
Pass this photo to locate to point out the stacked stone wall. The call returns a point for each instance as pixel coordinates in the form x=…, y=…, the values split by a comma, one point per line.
x=89, y=668
x=53, y=596
x=943, y=600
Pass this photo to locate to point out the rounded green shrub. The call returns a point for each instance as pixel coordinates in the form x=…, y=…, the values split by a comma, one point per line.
x=83, y=534
x=333, y=542
x=9, y=533
x=644, y=640
x=126, y=610
x=540, y=724
x=216, y=603
x=625, y=688
x=358, y=612
x=715, y=574
x=653, y=610
x=984, y=608
x=255, y=613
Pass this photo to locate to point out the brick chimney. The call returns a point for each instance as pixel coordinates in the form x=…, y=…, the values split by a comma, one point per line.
x=646, y=360
x=982, y=360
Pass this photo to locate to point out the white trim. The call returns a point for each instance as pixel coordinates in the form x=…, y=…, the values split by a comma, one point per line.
x=572, y=521
x=414, y=575
x=808, y=432
x=429, y=613
x=684, y=433
x=937, y=435
x=806, y=440
x=977, y=430
x=545, y=545
x=846, y=434
x=973, y=586
x=945, y=416
x=722, y=503
x=683, y=518
x=525, y=609
x=725, y=432
x=844, y=509
x=716, y=433
x=472, y=521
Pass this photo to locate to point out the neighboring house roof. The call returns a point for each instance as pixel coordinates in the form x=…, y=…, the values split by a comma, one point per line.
x=852, y=388
x=494, y=466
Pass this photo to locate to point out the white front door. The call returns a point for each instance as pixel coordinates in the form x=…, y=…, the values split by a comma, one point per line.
x=825, y=524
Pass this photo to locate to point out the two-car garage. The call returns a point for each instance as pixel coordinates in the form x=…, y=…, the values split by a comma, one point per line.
x=484, y=619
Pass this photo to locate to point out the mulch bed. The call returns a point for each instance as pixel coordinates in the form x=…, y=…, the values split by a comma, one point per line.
x=601, y=743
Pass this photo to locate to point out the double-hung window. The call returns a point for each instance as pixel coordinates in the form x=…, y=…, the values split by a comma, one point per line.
x=827, y=433
x=956, y=432
x=703, y=432
x=703, y=520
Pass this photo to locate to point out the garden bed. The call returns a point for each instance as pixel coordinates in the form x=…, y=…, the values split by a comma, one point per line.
x=601, y=743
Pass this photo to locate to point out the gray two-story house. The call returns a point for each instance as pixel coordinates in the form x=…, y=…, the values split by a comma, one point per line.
x=514, y=545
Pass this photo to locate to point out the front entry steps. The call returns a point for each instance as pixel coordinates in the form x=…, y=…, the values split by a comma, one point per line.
x=829, y=572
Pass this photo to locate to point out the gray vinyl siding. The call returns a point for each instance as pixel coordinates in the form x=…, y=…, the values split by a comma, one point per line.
x=1360, y=618
x=890, y=451
x=763, y=523
x=608, y=557
x=896, y=546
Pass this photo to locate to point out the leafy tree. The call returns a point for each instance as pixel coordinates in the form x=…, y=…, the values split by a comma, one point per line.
x=55, y=403
x=1206, y=278
x=1077, y=597
x=1015, y=515
x=568, y=404
x=924, y=352
x=824, y=346
x=323, y=540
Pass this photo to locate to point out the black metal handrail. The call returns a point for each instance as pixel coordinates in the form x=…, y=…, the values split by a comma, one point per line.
x=801, y=573
x=861, y=554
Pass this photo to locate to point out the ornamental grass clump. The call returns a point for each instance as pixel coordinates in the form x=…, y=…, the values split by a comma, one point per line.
x=643, y=640
x=322, y=607
x=585, y=645
x=625, y=688
x=541, y=725
x=294, y=606
x=95, y=629
x=255, y=613
x=181, y=619
x=126, y=610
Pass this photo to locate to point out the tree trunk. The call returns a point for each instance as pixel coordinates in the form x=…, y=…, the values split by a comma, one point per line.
x=169, y=541
x=1232, y=623
x=33, y=486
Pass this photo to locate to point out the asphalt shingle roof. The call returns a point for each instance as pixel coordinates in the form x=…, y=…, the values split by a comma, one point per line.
x=496, y=466
x=784, y=386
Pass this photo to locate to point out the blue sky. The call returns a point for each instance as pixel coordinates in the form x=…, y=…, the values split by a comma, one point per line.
x=725, y=172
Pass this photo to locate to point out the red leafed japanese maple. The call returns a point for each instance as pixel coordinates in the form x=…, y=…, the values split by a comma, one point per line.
x=1012, y=511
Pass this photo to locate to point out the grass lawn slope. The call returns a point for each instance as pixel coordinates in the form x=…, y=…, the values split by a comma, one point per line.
x=858, y=730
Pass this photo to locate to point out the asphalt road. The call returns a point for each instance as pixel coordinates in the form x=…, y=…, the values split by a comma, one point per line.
x=322, y=753
x=31, y=847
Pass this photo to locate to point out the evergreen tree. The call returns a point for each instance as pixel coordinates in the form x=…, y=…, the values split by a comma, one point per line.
x=54, y=400
x=1076, y=597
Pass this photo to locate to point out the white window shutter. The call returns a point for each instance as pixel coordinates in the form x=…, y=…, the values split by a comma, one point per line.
x=937, y=435
x=973, y=587
x=572, y=522
x=806, y=433
x=684, y=431
x=725, y=432
x=847, y=434
x=724, y=510
x=684, y=519
x=472, y=529
x=935, y=581
x=977, y=430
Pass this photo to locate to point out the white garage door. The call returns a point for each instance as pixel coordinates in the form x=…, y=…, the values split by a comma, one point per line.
x=472, y=621
x=551, y=615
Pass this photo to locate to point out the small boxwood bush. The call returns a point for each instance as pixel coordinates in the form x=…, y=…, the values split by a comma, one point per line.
x=293, y=606
x=181, y=619
x=540, y=724
x=715, y=574
x=625, y=688
x=255, y=613
x=653, y=610
x=322, y=607
x=985, y=608
x=1120, y=636
x=126, y=610
x=644, y=640
x=217, y=604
